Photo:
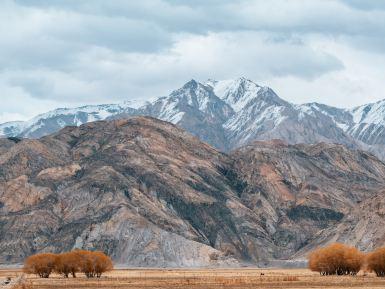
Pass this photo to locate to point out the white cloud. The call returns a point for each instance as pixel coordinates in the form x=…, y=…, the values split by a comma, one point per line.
x=361, y=80
x=68, y=53
x=18, y=105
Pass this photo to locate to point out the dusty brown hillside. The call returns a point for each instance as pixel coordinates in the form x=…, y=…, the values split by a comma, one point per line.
x=313, y=194
x=150, y=194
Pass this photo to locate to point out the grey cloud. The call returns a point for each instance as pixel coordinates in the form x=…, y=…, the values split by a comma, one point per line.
x=101, y=51
x=59, y=36
x=370, y=43
x=114, y=33
x=36, y=87
x=154, y=21
x=366, y=5
x=201, y=16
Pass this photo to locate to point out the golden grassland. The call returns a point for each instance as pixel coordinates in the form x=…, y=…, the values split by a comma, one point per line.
x=202, y=279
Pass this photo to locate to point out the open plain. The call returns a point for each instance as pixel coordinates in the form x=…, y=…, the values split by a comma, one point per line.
x=201, y=279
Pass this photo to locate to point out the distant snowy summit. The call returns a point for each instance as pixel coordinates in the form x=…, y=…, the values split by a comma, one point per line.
x=228, y=114
x=55, y=120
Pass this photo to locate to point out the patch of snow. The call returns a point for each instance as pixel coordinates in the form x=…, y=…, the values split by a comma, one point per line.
x=311, y=109
x=368, y=121
x=342, y=126
x=103, y=114
x=90, y=118
x=176, y=117
x=370, y=113
x=203, y=98
x=241, y=122
x=11, y=128
x=235, y=92
x=94, y=113
x=35, y=126
x=135, y=103
x=61, y=123
x=169, y=111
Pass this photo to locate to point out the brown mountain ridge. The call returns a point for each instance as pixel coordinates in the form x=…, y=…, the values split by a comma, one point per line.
x=150, y=194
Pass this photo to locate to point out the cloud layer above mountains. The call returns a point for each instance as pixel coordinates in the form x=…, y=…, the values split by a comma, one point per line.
x=69, y=53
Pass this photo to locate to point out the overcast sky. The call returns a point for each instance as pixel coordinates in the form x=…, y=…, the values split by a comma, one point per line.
x=68, y=53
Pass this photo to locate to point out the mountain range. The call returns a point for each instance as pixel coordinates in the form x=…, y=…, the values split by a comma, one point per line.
x=219, y=173
x=229, y=114
x=150, y=194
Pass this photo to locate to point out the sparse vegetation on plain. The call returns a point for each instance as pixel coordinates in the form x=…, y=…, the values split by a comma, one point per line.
x=23, y=285
x=241, y=278
x=338, y=266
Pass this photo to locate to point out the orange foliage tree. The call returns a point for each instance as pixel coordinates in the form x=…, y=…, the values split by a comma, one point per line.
x=336, y=259
x=67, y=263
x=102, y=263
x=93, y=264
x=376, y=262
x=40, y=264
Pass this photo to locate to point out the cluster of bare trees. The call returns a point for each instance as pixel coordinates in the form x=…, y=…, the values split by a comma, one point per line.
x=336, y=259
x=339, y=259
x=92, y=264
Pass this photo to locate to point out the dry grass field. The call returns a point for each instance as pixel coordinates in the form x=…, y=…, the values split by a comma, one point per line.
x=202, y=279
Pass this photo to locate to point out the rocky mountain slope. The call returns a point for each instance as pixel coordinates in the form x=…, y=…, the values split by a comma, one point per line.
x=229, y=114
x=365, y=124
x=139, y=189
x=150, y=194
x=319, y=193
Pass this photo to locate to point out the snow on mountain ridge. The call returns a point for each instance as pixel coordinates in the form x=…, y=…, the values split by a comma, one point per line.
x=11, y=128
x=197, y=94
x=235, y=92
x=78, y=115
x=369, y=113
x=341, y=117
x=227, y=114
x=240, y=92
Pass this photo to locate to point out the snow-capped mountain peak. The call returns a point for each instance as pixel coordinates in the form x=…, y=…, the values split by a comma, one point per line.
x=195, y=98
x=195, y=94
x=235, y=92
x=58, y=118
x=228, y=114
